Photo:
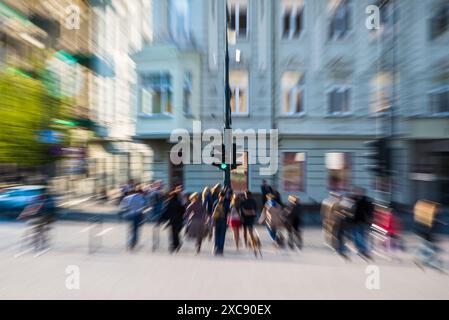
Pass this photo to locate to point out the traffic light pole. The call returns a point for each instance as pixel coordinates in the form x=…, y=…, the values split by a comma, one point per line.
x=227, y=107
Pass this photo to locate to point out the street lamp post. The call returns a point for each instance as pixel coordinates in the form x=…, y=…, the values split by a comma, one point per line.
x=227, y=108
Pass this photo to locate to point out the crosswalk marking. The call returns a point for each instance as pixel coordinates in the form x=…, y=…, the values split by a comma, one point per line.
x=104, y=232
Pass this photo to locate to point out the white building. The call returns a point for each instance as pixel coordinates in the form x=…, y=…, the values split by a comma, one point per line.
x=120, y=29
x=314, y=71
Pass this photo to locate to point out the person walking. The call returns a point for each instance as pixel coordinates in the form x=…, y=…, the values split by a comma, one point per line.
x=215, y=192
x=127, y=190
x=220, y=213
x=343, y=214
x=328, y=208
x=206, y=198
x=40, y=214
x=133, y=206
x=386, y=228
x=272, y=218
x=293, y=216
x=277, y=197
x=363, y=215
x=196, y=220
x=248, y=209
x=235, y=220
x=266, y=190
x=174, y=214
x=157, y=199
x=426, y=225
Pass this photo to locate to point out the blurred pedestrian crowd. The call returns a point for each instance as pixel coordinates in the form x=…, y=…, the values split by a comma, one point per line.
x=349, y=220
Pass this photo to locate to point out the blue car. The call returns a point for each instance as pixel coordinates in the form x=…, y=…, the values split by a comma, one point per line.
x=13, y=200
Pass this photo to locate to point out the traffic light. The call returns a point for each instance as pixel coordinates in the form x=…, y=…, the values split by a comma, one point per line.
x=380, y=154
x=223, y=165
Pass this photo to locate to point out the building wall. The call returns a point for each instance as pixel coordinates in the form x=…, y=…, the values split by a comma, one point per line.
x=354, y=61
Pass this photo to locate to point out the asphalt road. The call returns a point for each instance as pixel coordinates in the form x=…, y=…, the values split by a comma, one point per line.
x=91, y=262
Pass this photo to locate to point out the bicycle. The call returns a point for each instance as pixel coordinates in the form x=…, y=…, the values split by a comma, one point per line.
x=37, y=234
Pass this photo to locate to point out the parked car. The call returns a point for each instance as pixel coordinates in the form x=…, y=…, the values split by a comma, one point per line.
x=13, y=200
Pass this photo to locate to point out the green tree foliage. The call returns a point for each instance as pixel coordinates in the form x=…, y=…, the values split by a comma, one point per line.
x=25, y=110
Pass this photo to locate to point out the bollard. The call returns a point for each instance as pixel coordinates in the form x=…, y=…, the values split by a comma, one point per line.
x=156, y=236
x=95, y=228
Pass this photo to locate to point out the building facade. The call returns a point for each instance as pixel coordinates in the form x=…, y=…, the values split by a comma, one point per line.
x=315, y=71
x=119, y=29
x=85, y=45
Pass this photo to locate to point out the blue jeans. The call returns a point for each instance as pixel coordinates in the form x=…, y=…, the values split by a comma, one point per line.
x=271, y=232
x=134, y=237
x=340, y=235
x=359, y=237
x=220, y=235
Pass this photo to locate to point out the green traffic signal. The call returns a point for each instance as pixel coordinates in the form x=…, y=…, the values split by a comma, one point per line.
x=223, y=166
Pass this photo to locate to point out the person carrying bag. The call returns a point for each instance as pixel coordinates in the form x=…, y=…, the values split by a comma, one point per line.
x=235, y=220
x=273, y=218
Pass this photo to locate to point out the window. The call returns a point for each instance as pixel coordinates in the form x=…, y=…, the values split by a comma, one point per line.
x=340, y=20
x=339, y=100
x=239, y=176
x=238, y=24
x=293, y=171
x=239, y=92
x=180, y=20
x=156, y=93
x=292, y=93
x=339, y=168
x=187, y=94
x=439, y=101
x=439, y=24
x=292, y=19
x=387, y=18
x=382, y=88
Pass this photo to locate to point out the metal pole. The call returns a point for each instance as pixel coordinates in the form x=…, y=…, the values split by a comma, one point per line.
x=227, y=105
x=394, y=101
